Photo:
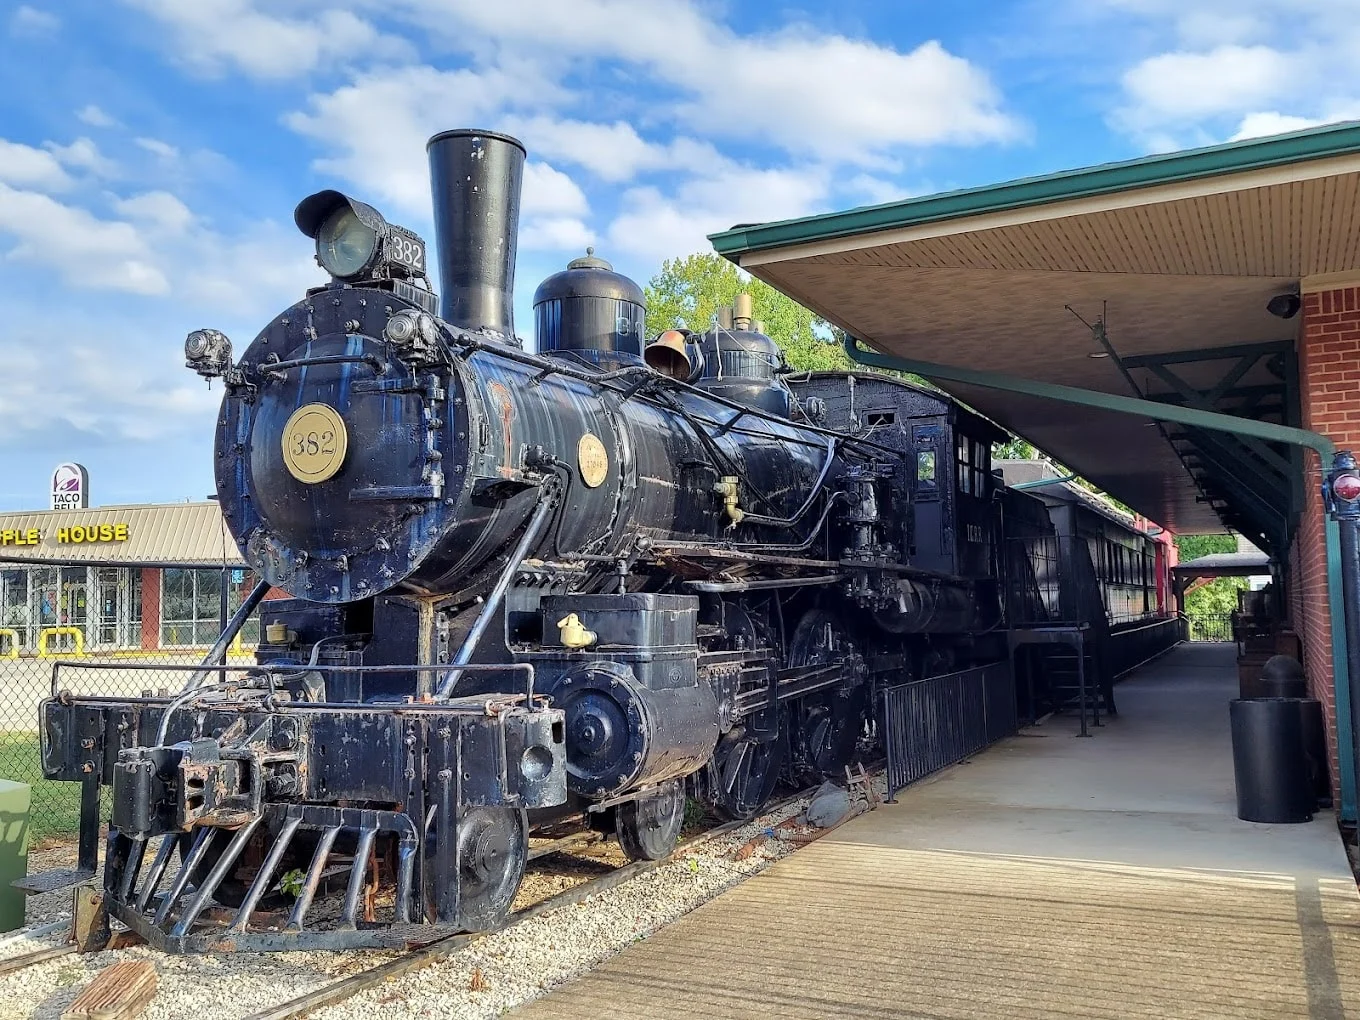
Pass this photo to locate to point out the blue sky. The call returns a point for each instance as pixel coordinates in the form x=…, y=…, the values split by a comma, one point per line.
x=151, y=151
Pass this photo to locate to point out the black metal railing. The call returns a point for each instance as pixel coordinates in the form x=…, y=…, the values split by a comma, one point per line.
x=1218, y=627
x=1130, y=646
x=932, y=723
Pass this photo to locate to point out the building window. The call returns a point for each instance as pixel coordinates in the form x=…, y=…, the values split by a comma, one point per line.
x=191, y=606
x=15, y=609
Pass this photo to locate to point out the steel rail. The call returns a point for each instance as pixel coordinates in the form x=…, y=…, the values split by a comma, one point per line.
x=418, y=959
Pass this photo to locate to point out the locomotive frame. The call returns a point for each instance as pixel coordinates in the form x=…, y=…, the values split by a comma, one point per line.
x=526, y=586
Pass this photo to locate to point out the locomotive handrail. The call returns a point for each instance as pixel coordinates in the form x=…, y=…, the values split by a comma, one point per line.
x=281, y=367
x=271, y=668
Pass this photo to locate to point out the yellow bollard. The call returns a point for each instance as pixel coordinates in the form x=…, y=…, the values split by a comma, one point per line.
x=13, y=636
x=47, y=633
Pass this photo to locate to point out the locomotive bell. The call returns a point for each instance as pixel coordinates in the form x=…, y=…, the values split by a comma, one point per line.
x=671, y=354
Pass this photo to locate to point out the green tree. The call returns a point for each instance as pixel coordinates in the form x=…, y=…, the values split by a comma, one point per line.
x=1218, y=597
x=1016, y=448
x=1192, y=547
x=688, y=292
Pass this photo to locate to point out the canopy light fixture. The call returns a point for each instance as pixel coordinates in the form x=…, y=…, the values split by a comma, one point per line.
x=1284, y=306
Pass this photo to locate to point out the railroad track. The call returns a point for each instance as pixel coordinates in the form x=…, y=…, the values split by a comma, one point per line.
x=418, y=959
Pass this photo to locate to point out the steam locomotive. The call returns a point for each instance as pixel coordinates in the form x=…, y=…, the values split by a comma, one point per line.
x=579, y=581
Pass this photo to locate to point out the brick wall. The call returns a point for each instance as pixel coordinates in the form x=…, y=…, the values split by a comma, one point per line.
x=1329, y=383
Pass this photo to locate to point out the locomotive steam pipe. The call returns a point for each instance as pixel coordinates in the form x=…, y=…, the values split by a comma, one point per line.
x=475, y=177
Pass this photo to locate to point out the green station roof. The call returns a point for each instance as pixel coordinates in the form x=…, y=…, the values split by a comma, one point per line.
x=1176, y=256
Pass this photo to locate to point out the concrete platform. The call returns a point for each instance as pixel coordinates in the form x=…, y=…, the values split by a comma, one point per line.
x=1049, y=877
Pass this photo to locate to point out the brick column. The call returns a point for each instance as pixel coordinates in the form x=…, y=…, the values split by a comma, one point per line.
x=1329, y=395
x=151, y=608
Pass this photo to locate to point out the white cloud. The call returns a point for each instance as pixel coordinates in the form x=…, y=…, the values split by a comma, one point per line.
x=844, y=99
x=212, y=36
x=1271, y=122
x=658, y=225
x=159, y=210
x=876, y=190
x=612, y=152
x=1188, y=87
x=30, y=23
x=153, y=243
x=95, y=117
x=158, y=148
x=84, y=154
x=1201, y=72
x=411, y=103
x=84, y=250
x=105, y=393
x=555, y=233
x=549, y=192
x=26, y=166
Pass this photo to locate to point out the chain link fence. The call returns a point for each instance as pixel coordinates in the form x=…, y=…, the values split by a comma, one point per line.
x=26, y=680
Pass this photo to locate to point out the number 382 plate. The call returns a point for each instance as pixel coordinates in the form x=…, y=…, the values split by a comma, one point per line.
x=314, y=443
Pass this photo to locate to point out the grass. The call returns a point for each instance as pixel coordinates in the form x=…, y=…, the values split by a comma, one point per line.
x=55, y=811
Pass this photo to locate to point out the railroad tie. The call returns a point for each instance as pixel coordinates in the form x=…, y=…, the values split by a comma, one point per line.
x=120, y=991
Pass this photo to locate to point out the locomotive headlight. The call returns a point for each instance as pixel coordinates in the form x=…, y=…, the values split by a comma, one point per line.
x=345, y=245
x=207, y=352
x=354, y=242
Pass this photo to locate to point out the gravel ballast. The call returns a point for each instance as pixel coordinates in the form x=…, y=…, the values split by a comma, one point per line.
x=484, y=980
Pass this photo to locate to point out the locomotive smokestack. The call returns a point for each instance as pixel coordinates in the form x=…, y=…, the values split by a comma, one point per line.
x=475, y=177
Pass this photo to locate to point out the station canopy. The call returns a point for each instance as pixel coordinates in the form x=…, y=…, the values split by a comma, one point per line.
x=1148, y=278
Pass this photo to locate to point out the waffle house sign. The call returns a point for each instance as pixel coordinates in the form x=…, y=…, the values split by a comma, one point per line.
x=94, y=533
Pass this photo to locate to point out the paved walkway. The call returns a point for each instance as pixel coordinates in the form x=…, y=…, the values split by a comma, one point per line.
x=1049, y=877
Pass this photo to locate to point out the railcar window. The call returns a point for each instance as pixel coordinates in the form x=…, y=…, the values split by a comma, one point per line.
x=973, y=467
x=879, y=419
x=925, y=468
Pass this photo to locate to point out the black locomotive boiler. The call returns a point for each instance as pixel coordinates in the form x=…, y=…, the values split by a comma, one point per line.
x=579, y=581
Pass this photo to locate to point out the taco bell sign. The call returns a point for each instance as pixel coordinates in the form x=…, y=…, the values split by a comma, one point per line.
x=70, y=487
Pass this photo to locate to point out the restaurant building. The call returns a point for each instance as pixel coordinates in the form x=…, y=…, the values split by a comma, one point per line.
x=118, y=579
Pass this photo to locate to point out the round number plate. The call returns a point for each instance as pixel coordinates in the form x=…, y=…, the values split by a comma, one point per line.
x=314, y=443
x=592, y=459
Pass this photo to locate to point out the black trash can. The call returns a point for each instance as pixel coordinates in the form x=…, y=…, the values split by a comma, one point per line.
x=1284, y=687
x=1269, y=764
x=1282, y=677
